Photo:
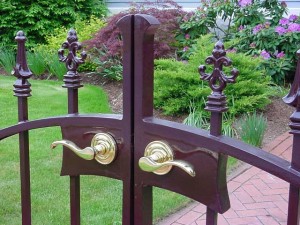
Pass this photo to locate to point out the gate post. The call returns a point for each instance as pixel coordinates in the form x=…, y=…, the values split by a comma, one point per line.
x=145, y=27
x=125, y=25
x=293, y=99
x=22, y=91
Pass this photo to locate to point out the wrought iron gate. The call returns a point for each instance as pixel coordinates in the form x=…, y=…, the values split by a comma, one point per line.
x=139, y=149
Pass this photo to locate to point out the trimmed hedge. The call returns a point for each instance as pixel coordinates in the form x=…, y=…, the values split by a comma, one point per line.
x=178, y=84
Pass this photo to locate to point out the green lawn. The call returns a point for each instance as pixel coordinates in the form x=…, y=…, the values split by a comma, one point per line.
x=100, y=197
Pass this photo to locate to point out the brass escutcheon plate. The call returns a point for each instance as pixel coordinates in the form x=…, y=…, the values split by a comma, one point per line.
x=163, y=149
x=110, y=151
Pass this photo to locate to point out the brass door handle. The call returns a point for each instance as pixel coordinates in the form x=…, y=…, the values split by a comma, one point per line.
x=159, y=159
x=103, y=148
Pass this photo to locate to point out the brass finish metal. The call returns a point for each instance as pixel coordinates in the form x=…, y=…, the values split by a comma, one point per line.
x=159, y=159
x=103, y=148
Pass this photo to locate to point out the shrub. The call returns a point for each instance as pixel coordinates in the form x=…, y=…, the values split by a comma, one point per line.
x=233, y=13
x=108, y=40
x=276, y=43
x=111, y=68
x=88, y=66
x=177, y=83
x=39, y=18
x=257, y=25
x=85, y=30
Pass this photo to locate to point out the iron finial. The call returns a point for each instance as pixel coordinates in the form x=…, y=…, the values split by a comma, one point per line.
x=217, y=79
x=72, y=79
x=21, y=70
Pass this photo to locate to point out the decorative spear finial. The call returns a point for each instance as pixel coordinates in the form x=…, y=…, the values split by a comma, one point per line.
x=21, y=70
x=72, y=79
x=217, y=79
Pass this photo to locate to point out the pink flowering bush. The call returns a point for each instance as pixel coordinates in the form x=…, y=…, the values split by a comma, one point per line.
x=288, y=25
x=237, y=13
x=265, y=54
x=192, y=26
x=275, y=39
x=276, y=65
x=276, y=43
x=244, y=3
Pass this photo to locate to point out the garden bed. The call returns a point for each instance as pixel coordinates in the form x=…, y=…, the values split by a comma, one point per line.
x=277, y=113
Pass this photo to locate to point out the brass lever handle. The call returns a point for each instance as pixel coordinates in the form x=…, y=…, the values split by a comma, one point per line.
x=159, y=159
x=86, y=153
x=103, y=148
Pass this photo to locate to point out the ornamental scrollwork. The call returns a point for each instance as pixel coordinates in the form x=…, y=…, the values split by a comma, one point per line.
x=71, y=60
x=218, y=79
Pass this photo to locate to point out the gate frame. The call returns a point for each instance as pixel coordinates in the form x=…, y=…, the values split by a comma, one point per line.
x=138, y=35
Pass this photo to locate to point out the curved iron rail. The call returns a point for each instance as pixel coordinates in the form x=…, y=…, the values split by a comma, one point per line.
x=226, y=145
x=222, y=144
x=68, y=120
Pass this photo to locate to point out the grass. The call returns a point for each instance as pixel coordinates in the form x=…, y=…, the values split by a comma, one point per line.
x=252, y=128
x=7, y=59
x=100, y=196
x=55, y=67
x=36, y=62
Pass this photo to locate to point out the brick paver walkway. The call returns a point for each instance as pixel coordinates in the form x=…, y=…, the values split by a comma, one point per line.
x=256, y=197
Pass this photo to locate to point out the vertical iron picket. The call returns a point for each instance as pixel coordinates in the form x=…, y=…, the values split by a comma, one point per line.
x=293, y=99
x=22, y=91
x=216, y=104
x=72, y=83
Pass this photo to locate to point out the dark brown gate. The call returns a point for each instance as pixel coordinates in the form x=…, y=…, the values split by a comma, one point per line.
x=143, y=151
